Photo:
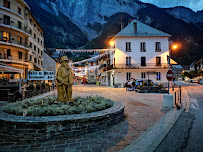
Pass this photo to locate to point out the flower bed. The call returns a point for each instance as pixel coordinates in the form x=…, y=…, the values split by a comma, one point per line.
x=48, y=107
x=29, y=128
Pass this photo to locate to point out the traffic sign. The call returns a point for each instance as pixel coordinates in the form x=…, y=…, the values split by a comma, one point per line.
x=169, y=75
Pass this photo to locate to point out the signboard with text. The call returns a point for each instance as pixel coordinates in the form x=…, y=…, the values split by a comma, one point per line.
x=40, y=75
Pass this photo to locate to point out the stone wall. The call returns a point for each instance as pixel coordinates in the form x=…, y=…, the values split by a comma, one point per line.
x=54, y=127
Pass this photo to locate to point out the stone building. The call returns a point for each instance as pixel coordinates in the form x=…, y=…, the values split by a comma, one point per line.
x=21, y=37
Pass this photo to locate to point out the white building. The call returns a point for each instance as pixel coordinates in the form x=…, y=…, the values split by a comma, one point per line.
x=92, y=69
x=139, y=49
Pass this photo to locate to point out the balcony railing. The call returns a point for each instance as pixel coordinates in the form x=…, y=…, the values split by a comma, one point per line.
x=140, y=66
x=17, y=26
x=23, y=44
x=14, y=58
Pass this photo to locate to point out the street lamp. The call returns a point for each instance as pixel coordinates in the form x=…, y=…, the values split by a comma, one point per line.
x=112, y=43
x=171, y=47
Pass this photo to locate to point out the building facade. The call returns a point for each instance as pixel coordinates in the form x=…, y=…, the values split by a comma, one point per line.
x=137, y=50
x=21, y=37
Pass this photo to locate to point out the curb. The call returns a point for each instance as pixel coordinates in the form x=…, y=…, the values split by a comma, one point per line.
x=150, y=140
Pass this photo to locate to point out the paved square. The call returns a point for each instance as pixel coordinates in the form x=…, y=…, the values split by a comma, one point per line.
x=141, y=112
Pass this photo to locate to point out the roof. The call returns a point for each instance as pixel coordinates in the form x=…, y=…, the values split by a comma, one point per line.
x=177, y=66
x=142, y=30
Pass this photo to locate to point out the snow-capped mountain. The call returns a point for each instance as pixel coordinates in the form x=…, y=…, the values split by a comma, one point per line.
x=77, y=23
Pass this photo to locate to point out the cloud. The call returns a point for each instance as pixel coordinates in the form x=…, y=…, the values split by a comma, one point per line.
x=195, y=5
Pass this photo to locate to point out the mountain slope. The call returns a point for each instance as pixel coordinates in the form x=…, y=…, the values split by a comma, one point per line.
x=75, y=23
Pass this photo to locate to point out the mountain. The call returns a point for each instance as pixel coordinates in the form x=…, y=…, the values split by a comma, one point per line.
x=87, y=23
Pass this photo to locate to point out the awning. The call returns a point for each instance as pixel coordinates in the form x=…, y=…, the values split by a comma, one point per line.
x=173, y=62
x=6, y=69
x=43, y=69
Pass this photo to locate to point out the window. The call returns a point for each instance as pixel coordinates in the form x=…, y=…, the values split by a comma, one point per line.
x=41, y=63
x=35, y=47
x=30, y=57
x=41, y=42
x=35, y=60
x=34, y=25
x=142, y=47
x=158, y=76
x=143, y=61
x=35, y=36
x=20, y=55
x=158, y=46
x=19, y=10
x=128, y=75
x=38, y=61
x=30, y=44
x=128, y=46
x=19, y=40
x=143, y=75
x=19, y=25
x=30, y=21
x=6, y=20
x=30, y=31
x=41, y=52
x=6, y=36
x=128, y=60
x=38, y=50
x=158, y=61
x=6, y=4
x=91, y=63
x=38, y=39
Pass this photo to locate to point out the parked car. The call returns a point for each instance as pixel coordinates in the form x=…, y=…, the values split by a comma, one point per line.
x=200, y=81
x=141, y=81
x=186, y=79
x=195, y=80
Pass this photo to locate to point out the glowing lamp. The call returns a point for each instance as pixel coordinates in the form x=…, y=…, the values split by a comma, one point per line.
x=174, y=46
x=112, y=43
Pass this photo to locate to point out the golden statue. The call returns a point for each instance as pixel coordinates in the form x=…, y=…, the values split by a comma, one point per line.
x=65, y=80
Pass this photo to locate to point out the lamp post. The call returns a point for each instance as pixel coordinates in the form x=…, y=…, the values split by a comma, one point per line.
x=172, y=46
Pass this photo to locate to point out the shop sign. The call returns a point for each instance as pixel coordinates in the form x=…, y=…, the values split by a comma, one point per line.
x=40, y=75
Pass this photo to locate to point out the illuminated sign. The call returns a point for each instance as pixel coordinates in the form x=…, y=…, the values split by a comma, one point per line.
x=40, y=75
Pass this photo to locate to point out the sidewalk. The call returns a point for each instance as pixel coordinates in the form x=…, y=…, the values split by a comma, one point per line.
x=142, y=112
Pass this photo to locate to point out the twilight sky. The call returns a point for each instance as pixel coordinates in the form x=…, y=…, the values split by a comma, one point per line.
x=195, y=5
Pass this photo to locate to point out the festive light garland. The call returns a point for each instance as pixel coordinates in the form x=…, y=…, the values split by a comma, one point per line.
x=85, y=50
x=86, y=60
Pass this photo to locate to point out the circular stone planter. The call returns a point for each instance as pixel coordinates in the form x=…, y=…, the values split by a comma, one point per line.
x=54, y=127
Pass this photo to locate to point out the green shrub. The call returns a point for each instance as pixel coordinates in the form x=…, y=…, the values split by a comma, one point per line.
x=144, y=83
x=47, y=107
x=38, y=87
x=31, y=87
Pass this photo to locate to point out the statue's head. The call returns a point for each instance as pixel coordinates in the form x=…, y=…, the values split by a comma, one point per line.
x=64, y=61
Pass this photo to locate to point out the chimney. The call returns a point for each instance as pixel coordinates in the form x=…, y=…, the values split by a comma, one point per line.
x=122, y=25
x=135, y=28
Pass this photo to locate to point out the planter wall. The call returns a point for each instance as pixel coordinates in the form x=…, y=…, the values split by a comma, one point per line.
x=54, y=127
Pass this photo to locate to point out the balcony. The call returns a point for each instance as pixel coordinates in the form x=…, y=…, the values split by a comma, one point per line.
x=110, y=67
x=14, y=43
x=139, y=66
x=17, y=27
x=14, y=59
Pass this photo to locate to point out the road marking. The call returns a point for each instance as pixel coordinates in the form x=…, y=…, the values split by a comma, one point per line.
x=194, y=104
